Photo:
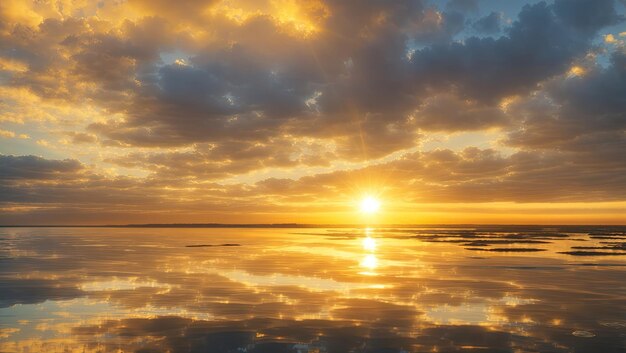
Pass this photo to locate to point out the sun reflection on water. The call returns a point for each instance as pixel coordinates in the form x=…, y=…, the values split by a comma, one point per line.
x=370, y=245
x=370, y=262
x=306, y=289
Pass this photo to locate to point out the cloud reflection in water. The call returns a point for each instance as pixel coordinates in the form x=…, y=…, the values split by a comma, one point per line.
x=378, y=290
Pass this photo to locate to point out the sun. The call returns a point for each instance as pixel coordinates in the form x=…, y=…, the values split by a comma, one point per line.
x=369, y=205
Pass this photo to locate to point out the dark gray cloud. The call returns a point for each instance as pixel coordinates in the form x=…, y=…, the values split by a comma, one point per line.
x=439, y=27
x=489, y=24
x=32, y=167
x=578, y=113
x=586, y=16
x=542, y=43
x=446, y=112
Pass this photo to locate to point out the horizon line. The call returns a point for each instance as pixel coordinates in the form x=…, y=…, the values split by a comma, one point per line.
x=294, y=225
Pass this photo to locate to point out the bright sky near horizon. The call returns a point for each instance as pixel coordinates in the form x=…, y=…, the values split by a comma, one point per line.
x=244, y=111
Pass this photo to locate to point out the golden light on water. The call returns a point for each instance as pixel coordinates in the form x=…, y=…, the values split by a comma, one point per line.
x=369, y=205
x=370, y=262
x=396, y=279
x=369, y=244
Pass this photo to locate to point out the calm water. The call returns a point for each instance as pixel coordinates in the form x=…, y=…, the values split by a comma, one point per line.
x=473, y=289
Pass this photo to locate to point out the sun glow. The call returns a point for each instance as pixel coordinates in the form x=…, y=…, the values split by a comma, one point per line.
x=369, y=205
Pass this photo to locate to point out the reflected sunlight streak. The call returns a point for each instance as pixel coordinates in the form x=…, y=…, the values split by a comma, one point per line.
x=370, y=262
x=369, y=244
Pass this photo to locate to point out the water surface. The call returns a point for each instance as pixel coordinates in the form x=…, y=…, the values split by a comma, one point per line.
x=446, y=289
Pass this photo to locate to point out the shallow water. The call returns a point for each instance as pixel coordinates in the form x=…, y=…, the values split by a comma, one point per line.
x=447, y=289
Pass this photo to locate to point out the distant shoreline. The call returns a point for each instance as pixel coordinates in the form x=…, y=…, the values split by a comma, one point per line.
x=302, y=225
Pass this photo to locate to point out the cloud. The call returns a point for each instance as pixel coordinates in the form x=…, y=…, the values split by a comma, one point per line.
x=446, y=112
x=233, y=96
x=227, y=159
x=37, y=168
x=540, y=44
x=574, y=113
x=586, y=16
x=181, y=186
x=80, y=137
x=7, y=134
x=255, y=81
x=489, y=24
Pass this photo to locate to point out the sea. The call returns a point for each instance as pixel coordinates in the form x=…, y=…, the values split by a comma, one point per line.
x=393, y=289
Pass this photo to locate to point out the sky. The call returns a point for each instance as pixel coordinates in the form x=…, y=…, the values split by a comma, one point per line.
x=280, y=111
